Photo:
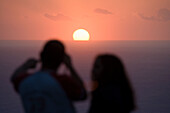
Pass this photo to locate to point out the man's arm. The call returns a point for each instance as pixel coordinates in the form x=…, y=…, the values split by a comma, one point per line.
x=21, y=72
x=75, y=76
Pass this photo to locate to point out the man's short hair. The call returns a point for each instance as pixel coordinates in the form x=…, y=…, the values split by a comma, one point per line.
x=52, y=54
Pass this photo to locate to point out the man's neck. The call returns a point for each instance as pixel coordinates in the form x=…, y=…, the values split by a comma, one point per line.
x=43, y=68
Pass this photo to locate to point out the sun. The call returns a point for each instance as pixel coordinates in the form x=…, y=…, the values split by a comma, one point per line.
x=81, y=35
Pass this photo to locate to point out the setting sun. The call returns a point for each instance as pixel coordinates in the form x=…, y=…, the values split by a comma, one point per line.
x=81, y=35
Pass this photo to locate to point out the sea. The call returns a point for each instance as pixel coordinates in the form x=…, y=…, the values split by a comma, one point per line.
x=147, y=64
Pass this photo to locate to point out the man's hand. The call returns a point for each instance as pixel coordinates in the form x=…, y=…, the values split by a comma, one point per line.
x=30, y=63
x=67, y=61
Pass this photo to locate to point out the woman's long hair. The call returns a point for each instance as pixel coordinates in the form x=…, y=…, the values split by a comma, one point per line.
x=113, y=72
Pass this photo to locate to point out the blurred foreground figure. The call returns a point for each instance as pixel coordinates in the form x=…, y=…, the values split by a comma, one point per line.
x=46, y=91
x=112, y=92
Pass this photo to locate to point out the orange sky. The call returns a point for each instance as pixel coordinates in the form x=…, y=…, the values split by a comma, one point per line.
x=104, y=19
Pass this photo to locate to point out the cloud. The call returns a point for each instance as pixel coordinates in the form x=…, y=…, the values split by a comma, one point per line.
x=162, y=15
x=147, y=17
x=102, y=11
x=57, y=17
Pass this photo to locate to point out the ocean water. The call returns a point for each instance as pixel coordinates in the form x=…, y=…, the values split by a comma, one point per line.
x=147, y=64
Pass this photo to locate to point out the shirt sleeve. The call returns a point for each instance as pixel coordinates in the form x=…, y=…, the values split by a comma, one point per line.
x=71, y=87
x=18, y=79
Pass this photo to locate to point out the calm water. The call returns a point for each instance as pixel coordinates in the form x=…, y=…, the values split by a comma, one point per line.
x=147, y=64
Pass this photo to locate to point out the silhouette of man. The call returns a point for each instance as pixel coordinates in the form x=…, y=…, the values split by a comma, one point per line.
x=46, y=91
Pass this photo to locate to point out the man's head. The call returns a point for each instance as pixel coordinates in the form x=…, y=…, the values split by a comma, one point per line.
x=52, y=54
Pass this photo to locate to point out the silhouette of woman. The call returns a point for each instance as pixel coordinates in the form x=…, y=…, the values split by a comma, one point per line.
x=112, y=92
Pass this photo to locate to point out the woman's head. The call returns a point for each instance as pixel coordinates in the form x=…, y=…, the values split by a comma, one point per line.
x=108, y=68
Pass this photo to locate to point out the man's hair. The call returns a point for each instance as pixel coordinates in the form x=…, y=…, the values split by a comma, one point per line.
x=52, y=54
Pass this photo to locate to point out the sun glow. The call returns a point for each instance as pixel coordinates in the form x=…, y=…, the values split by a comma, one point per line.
x=81, y=35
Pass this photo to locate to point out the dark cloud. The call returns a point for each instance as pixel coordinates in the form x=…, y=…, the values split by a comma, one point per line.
x=57, y=17
x=162, y=15
x=102, y=11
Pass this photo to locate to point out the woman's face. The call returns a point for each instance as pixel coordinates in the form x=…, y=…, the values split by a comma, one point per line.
x=97, y=69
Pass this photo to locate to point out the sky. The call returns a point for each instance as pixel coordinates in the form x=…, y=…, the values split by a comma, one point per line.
x=103, y=19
